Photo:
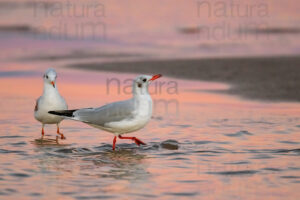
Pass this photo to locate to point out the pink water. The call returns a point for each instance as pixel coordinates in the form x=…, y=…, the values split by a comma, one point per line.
x=209, y=146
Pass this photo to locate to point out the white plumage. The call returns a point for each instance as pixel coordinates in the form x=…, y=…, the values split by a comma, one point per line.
x=50, y=100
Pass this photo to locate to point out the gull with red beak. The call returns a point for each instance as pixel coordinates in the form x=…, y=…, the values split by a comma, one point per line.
x=50, y=100
x=119, y=117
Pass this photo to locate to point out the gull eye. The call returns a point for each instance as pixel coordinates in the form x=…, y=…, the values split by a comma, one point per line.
x=47, y=77
x=139, y=85
x=144, y=80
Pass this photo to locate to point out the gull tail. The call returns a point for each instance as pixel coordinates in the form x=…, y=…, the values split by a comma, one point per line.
x=63, y=113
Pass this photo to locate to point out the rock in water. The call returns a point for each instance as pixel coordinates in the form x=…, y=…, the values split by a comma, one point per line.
x=170, y=144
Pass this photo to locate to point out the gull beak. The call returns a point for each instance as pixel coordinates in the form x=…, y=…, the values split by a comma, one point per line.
x=155, y=77
x=52, y=82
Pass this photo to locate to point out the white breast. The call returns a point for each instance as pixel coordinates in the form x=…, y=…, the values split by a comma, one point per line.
x=47, y=103
x=141, y=115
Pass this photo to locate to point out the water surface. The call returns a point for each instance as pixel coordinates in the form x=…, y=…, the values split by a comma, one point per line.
x=201, y=145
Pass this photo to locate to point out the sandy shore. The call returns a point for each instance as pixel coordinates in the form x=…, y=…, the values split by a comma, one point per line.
x=262, y=78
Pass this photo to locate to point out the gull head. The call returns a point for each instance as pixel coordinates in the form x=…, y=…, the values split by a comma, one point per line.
x=141, y=83
x=50, y=77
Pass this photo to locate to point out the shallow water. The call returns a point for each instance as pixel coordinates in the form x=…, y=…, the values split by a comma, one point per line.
x=203, y=145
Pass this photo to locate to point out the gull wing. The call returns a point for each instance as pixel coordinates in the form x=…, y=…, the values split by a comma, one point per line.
x=36, y=108
x=113, y=112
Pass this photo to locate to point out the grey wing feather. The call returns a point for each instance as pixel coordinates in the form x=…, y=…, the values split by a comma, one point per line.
x=109, y=113
x=36, y=108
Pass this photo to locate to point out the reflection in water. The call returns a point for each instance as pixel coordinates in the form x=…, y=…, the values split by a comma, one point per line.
x=45, y=141
x=98, y=168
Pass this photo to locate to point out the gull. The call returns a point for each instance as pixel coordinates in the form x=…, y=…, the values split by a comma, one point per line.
x=119, y=117
x=50, y=100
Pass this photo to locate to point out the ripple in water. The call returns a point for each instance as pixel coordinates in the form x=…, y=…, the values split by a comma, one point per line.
x=239, y=134
x=234, y=173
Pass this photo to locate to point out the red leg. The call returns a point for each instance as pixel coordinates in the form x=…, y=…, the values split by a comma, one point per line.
x=114, y=143
x=61, y=135
x=137, y=141
x=43, y=133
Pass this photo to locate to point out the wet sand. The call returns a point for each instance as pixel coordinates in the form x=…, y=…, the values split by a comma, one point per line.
x=261, y=78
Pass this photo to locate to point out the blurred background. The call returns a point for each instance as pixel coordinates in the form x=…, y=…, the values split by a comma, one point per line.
x=226, y=112
x=160, y=29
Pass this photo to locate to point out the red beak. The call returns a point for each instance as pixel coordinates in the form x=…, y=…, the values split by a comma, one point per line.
x=155, y=77
x=52, y=82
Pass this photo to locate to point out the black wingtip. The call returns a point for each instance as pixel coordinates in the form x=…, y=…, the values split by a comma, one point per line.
x=65, y=113
x=54, y=112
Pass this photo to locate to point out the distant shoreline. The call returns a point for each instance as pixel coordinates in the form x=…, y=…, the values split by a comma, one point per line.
x=261, y=78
